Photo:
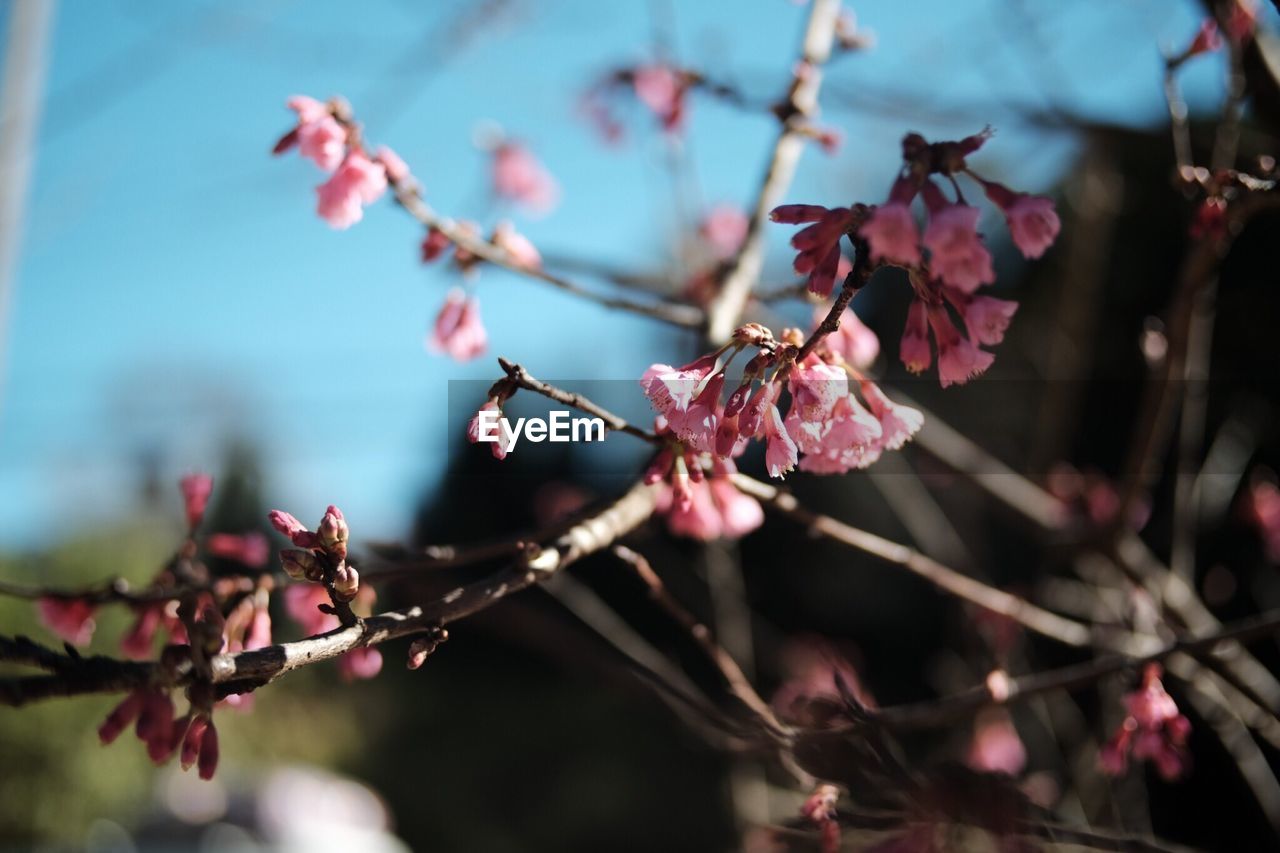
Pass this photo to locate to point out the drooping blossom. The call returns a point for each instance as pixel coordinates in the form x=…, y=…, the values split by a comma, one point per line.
x=715, y=509
x=1033, y=222
x=458, y=331
x=956, y=253
x=149, y=620
x=518, y=176
x=959, y=360
x=1152, y=730
x=196, y=489
x=358, y=181
x=914, y=349
x=434, y=244
x=252, y=549
x=891, y=230
x=898, y=423
x=985, y=317
x=501, y=432
x=70, y=618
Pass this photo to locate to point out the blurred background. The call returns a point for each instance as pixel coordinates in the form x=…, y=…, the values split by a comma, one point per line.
x=171, y=303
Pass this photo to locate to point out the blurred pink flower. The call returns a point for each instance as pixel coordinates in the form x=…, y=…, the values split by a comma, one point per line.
x=519, y=177
x=458, y=331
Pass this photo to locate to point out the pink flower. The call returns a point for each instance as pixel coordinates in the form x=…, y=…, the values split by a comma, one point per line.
x=671, y=389
x=739, y=514
x=815, y=671
x=308, y=109
x=297, y=532
x=815, y=388
x=818, y=245
x=891, y=229
x=357, y=182
x=324, y=141
x=956, y=253
x=780, y=450
x=724, y=230
x=196, y=489
x=70, y=618
x=458, y=331
x=519, y=177
x=853, y=341
x=519, y=250
x=696, y=517
x=302, y=603
x=397, y=170
x=914, y=349
x=361, y=663
x=252, y=549
x=958, y=359
x=1032, y=221
x=848, y=439
x=986, y=317
x=696, y=425
x=996, y=747
x=662, y=89
x=891, y=232
x=897, y=423
x=1153, y=731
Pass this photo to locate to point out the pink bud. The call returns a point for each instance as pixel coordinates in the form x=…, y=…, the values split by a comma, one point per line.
x=195, y=495
x=346, y=582
x=120, y=717
x=191, y=743
x=70, y=618
x=208, y=758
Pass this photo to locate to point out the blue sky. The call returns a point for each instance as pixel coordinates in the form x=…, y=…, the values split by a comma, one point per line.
x=175, y=288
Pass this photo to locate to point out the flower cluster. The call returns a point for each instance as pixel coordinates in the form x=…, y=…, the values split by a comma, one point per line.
x=837, y=419
x=948, y=261
x=321, y=557
x=151, y=713
x=1153, y=730
x=325, y=135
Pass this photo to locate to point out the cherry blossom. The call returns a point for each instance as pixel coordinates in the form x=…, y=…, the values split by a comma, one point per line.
x=458, y=331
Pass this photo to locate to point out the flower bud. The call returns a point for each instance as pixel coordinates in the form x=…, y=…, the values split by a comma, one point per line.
x=296, y=531
x=333, y=533
x=191, y=743
x=346, y=582
x=208, y=758
x=753, y=334
x=299, y=564
x=120, y=717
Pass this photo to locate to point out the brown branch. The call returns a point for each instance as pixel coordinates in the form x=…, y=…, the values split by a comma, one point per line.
x=728, y=668
x=948, y=709
x=244, y=671
x=522, y=379
x=858, y=276
x=677, y=314
x=1025, y=613
x=726, y=309
x=113, y=591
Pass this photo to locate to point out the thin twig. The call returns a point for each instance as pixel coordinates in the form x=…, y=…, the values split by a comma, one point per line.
x=243, y=671
x=726, y=309
x=523, y=379
x=1025, y=613
x=677, y=314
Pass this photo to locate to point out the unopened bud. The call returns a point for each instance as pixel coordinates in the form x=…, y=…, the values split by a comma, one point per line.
x=753, y=334
x=423, y=647
x=346, y=582
x=333, y=533
x=299, y=564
